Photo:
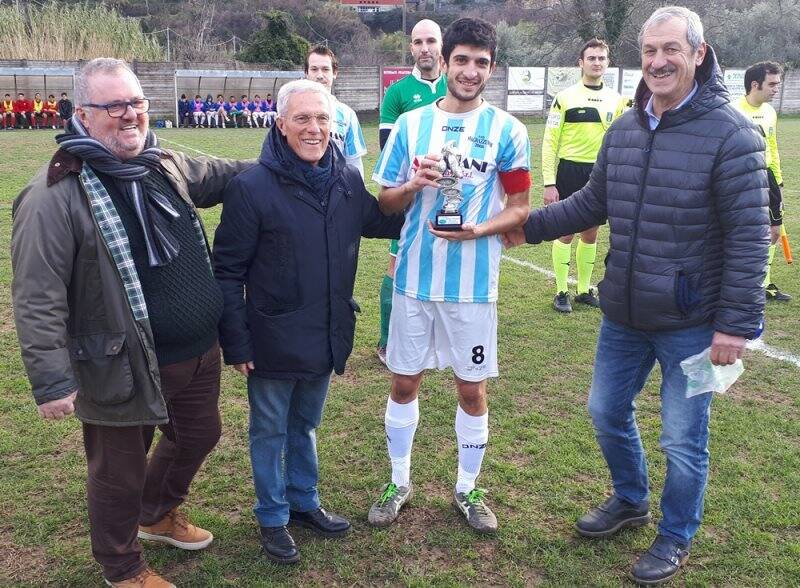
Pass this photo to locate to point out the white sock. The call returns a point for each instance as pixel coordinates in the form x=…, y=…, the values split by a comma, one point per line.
x=472, y=433
x=401, y=424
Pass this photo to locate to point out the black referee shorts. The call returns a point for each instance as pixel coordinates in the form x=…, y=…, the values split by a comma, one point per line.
x=775, y=201
x=571, y=177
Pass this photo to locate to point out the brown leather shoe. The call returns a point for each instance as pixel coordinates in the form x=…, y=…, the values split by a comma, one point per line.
x=176, y=530
x=147, y=578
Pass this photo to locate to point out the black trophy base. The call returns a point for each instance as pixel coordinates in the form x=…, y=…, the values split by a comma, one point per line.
x=448, y=221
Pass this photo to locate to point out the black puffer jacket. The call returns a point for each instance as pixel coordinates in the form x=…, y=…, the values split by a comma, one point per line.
x=686, y=206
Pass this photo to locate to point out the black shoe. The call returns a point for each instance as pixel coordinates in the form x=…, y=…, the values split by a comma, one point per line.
x=773, y=293
x=561, y=302
x=660, y=563
x=278, y=545
x=588, y=298
x=611, y=516
x=319, y=521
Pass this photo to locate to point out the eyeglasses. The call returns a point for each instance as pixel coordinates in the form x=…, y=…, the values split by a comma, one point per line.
x=118, y=109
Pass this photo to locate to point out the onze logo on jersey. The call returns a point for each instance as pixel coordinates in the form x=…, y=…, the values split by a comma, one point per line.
x=452, y=129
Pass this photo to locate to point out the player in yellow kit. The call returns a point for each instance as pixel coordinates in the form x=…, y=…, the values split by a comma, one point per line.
x=762, y=82
x=578, y=120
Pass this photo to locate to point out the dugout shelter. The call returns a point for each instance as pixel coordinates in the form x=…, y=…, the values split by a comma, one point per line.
x=230, y=82
x=43, y=79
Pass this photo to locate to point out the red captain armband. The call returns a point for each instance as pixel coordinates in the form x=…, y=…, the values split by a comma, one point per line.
x=516, y=180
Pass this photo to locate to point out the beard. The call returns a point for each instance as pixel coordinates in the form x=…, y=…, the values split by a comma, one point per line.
x=455, y=90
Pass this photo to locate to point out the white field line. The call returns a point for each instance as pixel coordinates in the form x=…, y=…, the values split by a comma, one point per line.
x=160, y=140
x=757, y=345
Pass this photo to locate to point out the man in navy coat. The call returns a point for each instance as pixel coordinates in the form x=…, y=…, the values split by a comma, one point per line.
x=286, y=254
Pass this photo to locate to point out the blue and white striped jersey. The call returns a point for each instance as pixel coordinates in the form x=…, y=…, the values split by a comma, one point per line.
x=346, y=130
x=490, y=141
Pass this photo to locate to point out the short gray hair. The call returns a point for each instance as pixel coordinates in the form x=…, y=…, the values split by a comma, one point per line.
x=99, y=65
x=694, y=28
x=299, y=87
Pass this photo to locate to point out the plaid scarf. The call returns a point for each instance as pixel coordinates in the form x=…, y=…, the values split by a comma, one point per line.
x=153, y=209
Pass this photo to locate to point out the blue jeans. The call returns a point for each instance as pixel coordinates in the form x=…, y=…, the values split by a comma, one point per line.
x=625, y=358
x=284, y=415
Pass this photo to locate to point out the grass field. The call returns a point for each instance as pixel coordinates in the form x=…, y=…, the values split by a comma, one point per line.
x=543, y=468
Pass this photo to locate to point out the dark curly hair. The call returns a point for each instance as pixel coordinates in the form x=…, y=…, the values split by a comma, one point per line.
x=474, y=32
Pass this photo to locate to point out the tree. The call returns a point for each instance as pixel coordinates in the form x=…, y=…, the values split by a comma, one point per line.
x=276, y=43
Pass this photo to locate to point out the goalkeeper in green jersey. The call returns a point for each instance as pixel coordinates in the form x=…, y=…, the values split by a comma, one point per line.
x=422, y=86
x=762, y=82
x=578, y=120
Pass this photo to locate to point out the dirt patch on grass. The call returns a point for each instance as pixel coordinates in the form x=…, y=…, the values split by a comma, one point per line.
x=22, y=564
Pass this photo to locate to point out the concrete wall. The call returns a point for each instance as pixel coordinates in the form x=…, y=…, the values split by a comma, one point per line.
x=356, y=86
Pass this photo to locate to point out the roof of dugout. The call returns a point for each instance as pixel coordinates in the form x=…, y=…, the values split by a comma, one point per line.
x=36, y=79
x=221, y=81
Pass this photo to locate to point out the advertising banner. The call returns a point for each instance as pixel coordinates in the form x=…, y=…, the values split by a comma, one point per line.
x=390, y=75
x=630, y=81
x=734, y=80
x=525, y=89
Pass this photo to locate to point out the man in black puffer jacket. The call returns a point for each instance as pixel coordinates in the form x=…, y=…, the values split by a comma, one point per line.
x=681, y=181
x=285, y=256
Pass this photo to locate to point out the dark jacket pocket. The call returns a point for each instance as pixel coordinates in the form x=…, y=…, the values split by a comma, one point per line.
x=686, y=296
x=102, y=367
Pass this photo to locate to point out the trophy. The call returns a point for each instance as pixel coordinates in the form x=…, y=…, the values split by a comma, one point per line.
x=449, y=217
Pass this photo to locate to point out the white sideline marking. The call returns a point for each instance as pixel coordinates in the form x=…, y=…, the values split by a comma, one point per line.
x=757, y=345
x=773, y=352
x=160, y=139
x=541, y=270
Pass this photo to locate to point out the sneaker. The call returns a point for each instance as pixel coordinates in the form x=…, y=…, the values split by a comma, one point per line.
x=612, y=516
x=561, y=302
x=660, y=563
x=147, y=578
x=175, y=529
x=773, y=293
x=588, y=298
x=382, y=355
x=478, y=515
x=384, y=511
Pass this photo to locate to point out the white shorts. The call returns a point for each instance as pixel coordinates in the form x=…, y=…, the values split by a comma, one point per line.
x=425, y=335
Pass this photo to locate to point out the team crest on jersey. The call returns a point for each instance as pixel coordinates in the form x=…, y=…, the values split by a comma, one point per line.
x=416, y=98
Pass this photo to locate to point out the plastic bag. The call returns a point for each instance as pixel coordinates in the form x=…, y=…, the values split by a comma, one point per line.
x=705, y=377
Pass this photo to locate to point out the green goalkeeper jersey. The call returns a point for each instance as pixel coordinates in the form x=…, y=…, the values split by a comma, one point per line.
x=578, y=120
x=767, y=120
x=407, y=94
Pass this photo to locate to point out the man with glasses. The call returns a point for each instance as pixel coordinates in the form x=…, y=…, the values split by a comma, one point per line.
x=116, y=311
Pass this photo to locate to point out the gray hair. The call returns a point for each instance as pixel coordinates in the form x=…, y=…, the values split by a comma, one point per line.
x=99, y=65
x=694, y=28
x=299, y=87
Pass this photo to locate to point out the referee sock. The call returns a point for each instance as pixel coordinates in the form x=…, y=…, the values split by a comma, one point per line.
x=472, y=433
x=387, y=285
x=767, y=281
x=561, y=255
x=401, y=424
x=585, y=254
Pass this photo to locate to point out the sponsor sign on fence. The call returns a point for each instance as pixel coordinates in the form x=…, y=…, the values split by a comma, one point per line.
x=525, y=89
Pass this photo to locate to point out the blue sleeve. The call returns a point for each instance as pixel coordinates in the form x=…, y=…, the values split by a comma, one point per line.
x=391, y=169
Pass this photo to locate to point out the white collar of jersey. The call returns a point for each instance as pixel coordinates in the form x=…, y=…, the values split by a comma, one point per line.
x=432, y=83
x=467, y=114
